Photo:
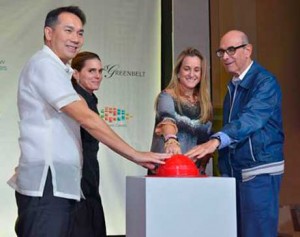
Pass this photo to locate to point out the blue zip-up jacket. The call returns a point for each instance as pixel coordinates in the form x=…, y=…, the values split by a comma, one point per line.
x=252, y=118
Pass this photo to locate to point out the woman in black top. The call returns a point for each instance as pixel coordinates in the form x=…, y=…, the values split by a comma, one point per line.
x=88, y=219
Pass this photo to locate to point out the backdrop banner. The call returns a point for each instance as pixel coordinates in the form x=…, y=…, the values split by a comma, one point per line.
x=126, y=35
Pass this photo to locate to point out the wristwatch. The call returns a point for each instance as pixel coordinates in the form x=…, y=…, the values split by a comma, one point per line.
x=218, y=138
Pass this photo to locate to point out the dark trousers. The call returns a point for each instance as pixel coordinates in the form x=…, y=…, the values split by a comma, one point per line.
x=45, y=216
x=88, y=219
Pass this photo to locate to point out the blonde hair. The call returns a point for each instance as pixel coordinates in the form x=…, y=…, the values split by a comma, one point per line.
x=202, y=90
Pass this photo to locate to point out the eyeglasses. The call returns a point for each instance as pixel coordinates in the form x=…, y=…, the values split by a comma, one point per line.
x=230, y=50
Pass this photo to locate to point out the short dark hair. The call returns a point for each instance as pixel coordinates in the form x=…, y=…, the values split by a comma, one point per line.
x=78, y=61
x=52, y=16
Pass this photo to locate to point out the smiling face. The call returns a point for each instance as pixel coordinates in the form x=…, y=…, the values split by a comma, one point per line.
x=240, y=60
x=90, y=76
x=189, y=74
x=66, y=37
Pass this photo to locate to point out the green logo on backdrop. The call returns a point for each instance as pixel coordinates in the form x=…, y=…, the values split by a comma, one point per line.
x=3, y=67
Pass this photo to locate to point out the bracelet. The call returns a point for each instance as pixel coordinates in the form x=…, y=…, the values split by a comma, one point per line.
x=168, y=136
x=171, y=141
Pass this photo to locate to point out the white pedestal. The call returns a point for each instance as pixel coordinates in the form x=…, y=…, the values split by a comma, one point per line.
x=180, y=207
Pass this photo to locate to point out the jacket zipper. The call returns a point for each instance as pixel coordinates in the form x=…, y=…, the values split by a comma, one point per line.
x=229, y=119
x=233, y=99
x=251, y=149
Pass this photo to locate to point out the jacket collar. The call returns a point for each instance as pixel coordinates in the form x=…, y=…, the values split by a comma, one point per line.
x=246, y=82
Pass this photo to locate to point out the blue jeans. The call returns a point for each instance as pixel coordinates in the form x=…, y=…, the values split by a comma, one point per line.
x=258, y=206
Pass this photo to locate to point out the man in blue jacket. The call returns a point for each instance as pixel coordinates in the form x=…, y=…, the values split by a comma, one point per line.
x=250, y=142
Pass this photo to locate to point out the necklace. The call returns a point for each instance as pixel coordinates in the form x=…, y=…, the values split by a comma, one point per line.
x=188, y=96
x=191, y=99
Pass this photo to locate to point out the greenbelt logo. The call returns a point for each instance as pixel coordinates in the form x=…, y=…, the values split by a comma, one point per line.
x=3, y=67
x=115, y=70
